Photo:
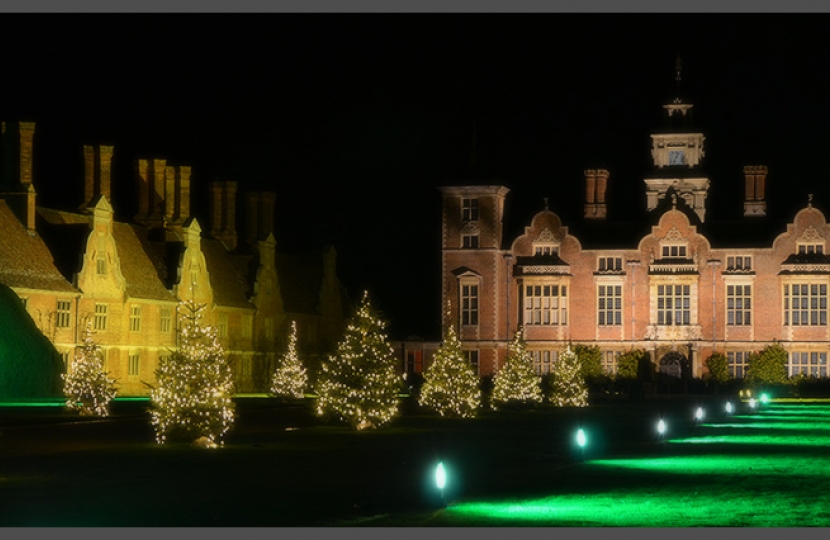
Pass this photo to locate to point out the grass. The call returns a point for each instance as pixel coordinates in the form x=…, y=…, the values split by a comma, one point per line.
x=283, y=467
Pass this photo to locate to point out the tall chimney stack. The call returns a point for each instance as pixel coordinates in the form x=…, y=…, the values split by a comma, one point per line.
x=755, y=178
x=596, y=182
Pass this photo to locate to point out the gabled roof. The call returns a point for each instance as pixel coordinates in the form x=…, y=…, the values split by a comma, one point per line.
x=25, y=261
x=140, y=263
x=230, y=285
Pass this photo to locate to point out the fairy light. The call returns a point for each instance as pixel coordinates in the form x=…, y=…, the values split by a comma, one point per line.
x=569, y=389
x=359, y=384
x=192, y=398
x=451, y=387
x=516, y=381
x=290, y=378
x=87, y=387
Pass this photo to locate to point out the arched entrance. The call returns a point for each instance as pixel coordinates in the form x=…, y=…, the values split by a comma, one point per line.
x=672, y=364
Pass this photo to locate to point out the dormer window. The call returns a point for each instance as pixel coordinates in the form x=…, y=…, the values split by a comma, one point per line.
x=101, y=266
x=545, y=250
x=809, y=249
x=739, y=263
x=469, y=210
x=610, y=264
x=674, y=251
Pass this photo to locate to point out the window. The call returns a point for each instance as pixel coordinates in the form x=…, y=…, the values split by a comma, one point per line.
x=610, y=264
x=247, y=324
x=469, y=304
x=810, y=364
x=737, y=364
x=25, y=301
x=472, y=358
x=738, y=305
x=609, y=362
x=65, y=359
x=268, y=323
x=223, y=325
x=469, y=209
x=739, y=263
x=673, y=303
x=543, y=361
x=675, y=251
x=546, y=304
x=100, y=322
x=64, y=310
x=609, y=305
x=101, y=266
x=166, y=319
x=805, y=304
x=245, y=367
x=810, y=249
x=132, y=367
x=135, y=318
x=545, y=251
x=469, y=241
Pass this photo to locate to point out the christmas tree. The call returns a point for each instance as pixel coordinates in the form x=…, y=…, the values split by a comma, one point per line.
x=87, y=387
x=516, y=382
x=450, y=384
x=569, y=388
x=290, y=378
x=360, y=384
x=192, y=398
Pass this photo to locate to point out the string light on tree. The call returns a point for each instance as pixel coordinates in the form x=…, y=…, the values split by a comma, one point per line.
x=192, y=399
x=87, y=387
x=516, y=382
x=569, y=389
x=360, y=384
x=451, y=387
x=290, y=378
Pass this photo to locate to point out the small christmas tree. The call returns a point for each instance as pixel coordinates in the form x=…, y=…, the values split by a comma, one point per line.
x=290, y=377
x=516, y=382
x=450, y=384
x=360, y=384
x=569, y=388
x=87, y=387
x=193, y=396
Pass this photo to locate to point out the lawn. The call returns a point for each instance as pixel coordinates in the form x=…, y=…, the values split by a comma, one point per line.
x=281, y=466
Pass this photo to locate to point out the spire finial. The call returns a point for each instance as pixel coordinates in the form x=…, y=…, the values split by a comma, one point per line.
x=809, y=200
x=546, y=202
x=678, y=70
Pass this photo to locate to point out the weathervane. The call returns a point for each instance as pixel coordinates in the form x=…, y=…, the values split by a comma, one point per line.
x=809, y=200
x=678, y=69
x=546, y=202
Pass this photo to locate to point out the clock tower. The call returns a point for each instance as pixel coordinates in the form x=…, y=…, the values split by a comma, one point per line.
x=676, y=151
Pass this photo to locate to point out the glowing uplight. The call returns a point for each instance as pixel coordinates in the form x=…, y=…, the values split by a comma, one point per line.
x=699, y=414
x=729, y=407
x=581, y=440
x=751, y=403
x=440, y=476
x=661, y=427
x=764, y=398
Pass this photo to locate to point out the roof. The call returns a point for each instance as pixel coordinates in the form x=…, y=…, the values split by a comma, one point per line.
x=230, y=286
x=25, y=261
x=142, y=266
x=301, y=276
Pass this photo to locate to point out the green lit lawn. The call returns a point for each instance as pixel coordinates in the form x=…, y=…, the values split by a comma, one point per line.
x=283, y=467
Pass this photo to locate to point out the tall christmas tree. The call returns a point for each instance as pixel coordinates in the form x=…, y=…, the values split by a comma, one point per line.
x=360, y=384
x=192, y=398
x=450, y=384
x=569, y=389
x=290, y=377
x=87, y=387
x=516, y=382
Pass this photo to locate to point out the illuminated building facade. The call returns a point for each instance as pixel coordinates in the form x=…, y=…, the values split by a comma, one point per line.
x=678, y=286
x=70, y=267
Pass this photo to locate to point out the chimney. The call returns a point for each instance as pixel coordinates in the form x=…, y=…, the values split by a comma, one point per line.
x=183, y=196
x=223, y=212
x=252, y=217
x=27, y=133
x=97, y=173
x=229, y=230
x=266, y=213
x=596, y=182
x=89, y=175
x=105, y=171
x=142, y=171
x=755, y=178
x=170, y=194
x=157, y=193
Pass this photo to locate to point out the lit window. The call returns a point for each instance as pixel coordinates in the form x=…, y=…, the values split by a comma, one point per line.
x=100, y=322
x=610, y=264
x=805, y=304
x=546, y=304
x=469, y=241
x=543, y=361
x=135, y=318
x=166, y=319
x=737, y=364
x=469, y=210
x=245, y=366
x=472, y=358
x=674, y=251
x=741, y=263
x=810, y=364
x=738, y=305
x=268, y=323
x=609, y=362
x=609, y=305
x=247, y=323
x=545, y=250
x=64, y=310
x=223, y=325
x=673, y=305
x=810, y=249
x=101, y=266
x=132, y=367
x=469, y=304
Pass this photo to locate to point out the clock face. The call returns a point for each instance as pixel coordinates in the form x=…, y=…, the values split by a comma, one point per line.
x=675, y=157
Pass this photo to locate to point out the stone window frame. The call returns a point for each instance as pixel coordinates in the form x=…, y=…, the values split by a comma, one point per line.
x=811, y=311
x=557, y=304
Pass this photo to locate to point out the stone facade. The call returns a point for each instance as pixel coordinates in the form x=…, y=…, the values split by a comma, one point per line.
x=79, y=266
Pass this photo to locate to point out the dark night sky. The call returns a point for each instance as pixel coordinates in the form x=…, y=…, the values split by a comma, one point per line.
x=355, y=120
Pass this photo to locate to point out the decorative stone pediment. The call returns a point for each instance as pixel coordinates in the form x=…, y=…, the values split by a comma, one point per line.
x=471, y=227
x=674, y=333
x=674, y=235
x=810, y=234
x=547, y=236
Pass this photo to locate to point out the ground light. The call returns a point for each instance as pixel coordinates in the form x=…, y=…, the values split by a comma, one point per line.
x=581, y=441
x=764, y=399
x=699, y=414
x=729, y=407
x=661, y=428
x=751, y=403
x=441, y=480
